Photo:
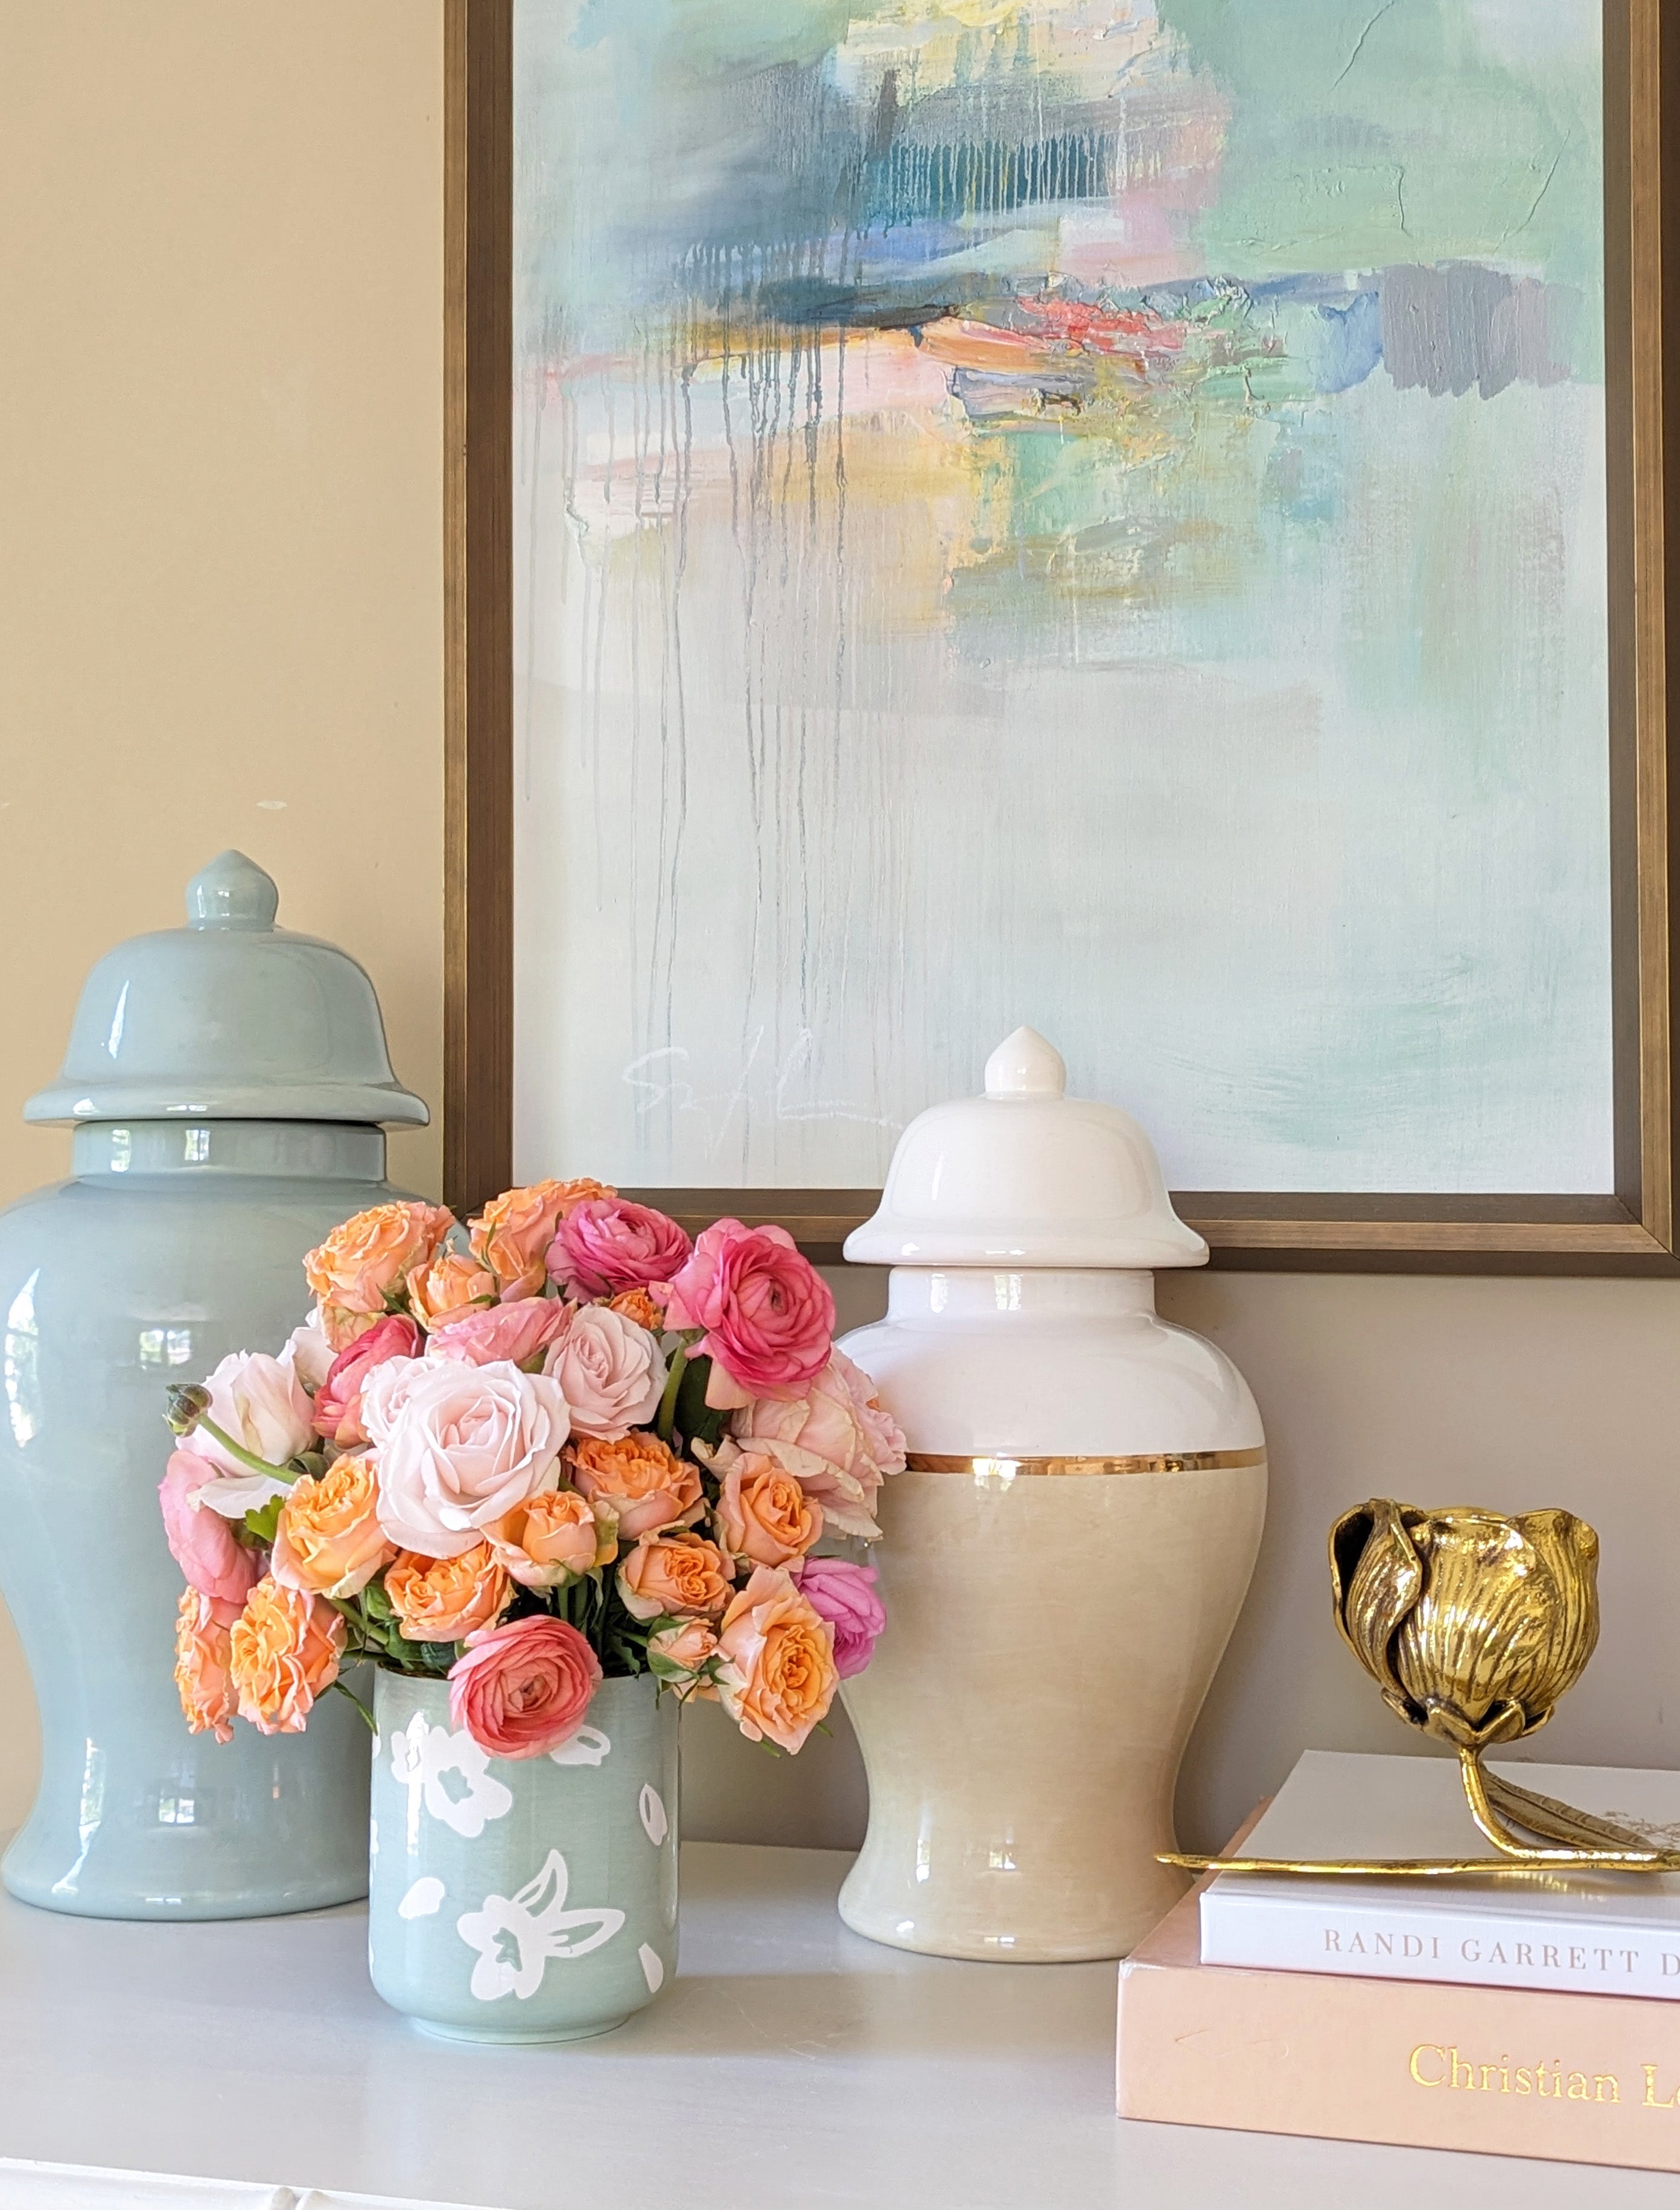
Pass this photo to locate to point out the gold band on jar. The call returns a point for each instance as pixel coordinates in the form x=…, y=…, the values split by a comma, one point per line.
x=1006, y=1466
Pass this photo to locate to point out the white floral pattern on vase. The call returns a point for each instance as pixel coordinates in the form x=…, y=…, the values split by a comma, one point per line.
x=422, y=1759
x=589, y=1746
x=650, y=1809
x=552, y=1881
x=518, y=1936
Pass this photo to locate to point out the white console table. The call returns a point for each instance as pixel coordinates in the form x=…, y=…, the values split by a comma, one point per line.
x=248, y=2066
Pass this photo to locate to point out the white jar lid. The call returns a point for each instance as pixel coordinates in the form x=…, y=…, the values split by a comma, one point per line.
x=1026, y=1176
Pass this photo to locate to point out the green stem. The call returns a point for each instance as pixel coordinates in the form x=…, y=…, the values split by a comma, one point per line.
x=371, y=1727
x=245, y=1458
x=666, y=1420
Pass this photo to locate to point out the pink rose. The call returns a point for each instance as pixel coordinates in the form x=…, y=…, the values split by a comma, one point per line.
x=835, y=1438
x=202, y=1545
x=611, y=1373
x=768, y=1316
x=523, y=1689
x=338, y=1401
x=458, y=1447
x=259, y=1403
x=683, y=1657
x=610, y=1245
x=844, y=1595
x=516, y=1332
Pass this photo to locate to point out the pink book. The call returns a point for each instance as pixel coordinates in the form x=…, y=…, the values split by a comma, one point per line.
x=1587, y=2079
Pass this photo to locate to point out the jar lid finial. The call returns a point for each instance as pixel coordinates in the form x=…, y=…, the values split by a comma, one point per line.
x=1025, y=1066
x=232, y=892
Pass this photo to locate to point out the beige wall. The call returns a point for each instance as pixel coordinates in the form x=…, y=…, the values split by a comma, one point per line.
x=220, y=570
x=219, y=613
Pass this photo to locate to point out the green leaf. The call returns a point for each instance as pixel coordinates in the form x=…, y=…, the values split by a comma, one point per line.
x=263, y=1520
x=695, y=1418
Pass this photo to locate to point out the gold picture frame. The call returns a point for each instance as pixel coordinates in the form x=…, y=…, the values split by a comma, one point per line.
x=1631, y=1231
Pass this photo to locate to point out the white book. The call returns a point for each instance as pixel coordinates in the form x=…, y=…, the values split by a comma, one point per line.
x=1602, y=1933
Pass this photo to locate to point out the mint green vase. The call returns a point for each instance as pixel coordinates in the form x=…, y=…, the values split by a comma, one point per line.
x=225, y=1081
x=518, y=1899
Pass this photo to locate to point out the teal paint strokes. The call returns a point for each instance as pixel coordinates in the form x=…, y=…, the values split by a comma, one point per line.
x=1077, y=511
x=1369, y=132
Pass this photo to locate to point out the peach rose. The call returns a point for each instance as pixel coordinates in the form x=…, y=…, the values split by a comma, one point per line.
x=447, y=1599
x=203, y=1648
x=283, y=1652
x=777, y=1677
x=763, y=1516
x=448, y=1289
x=647, y=1485
x=676, y=1575
x=328, y=1541
x=365, y=1258
x=639, y=1305
x=683, y=1657
x=555, y=1538
x=512, y=1234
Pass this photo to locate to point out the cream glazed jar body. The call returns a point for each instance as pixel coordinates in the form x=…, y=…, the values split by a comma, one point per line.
x=1067, y=1551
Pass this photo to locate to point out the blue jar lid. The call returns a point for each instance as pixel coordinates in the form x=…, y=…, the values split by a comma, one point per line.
x=229, y=1019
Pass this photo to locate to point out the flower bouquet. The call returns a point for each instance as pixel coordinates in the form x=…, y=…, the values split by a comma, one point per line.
x=563, y=1446
x=553, y=1475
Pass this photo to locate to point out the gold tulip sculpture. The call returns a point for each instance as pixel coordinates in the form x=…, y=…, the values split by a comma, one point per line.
x=1472, y=1624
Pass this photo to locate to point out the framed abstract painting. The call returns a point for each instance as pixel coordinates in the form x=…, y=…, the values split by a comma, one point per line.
x=1142, y=517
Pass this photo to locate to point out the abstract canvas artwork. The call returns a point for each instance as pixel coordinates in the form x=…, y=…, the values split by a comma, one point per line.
x=1087, y=512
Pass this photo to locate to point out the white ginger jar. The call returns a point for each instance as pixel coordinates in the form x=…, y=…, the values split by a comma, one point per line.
x=1067, y=1552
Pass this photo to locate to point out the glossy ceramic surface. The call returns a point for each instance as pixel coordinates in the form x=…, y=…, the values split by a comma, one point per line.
x=177, y=1240
x=1025, y=1175
x=523, y=1899
x=227, y=1018
x=172, y=1245
x=1050, y=1635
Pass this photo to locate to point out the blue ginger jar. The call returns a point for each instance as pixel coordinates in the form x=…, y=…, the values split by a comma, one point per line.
x=228, y=1083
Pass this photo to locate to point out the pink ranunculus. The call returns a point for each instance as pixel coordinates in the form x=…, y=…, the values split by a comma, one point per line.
x=768, y=1316
x=610, y=1371
x=516, y=1332
x=458, y=1447
x=338, y=1401
x=202, y=1543
x=610, y=1245
x=844, y=1595
x=523, y=1689
x=835, y=1438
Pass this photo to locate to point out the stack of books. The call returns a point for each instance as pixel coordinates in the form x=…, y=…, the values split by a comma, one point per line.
x=1528, y=2014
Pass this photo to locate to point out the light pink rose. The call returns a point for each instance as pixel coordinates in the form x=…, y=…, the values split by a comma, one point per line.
x=523, y=1689
x=458, y=1447
x=609, y=1245
x=611, y=1373
x=684, y=1657
x=308, y=1352
x=202, y=1545
x=844, y=1595
x=768, y=1316
x=338, y=1401
x=835, y=1438
x=516, y=1332
x=261, y=1405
